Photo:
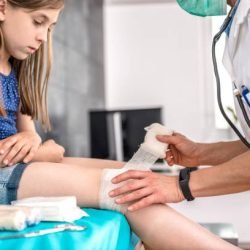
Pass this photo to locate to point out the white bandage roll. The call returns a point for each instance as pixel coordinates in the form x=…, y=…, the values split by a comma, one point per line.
x=33, y=215
x=12, y=220
x=151, y=144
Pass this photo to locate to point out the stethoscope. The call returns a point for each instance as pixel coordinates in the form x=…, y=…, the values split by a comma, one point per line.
x=217, y=77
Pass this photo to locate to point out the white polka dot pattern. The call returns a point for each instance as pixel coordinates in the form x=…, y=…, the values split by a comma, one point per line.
x=9, y=89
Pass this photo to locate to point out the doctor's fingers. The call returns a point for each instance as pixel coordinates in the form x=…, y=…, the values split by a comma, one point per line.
x=130, y=174
x=128, y=187
x=135, y=195
x=173, y=139
x=169, y=157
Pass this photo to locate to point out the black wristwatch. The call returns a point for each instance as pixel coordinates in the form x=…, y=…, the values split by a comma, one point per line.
x=184, y=177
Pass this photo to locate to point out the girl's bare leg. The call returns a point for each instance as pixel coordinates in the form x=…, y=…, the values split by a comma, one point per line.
x=93, y=163
x=167, y=229
x=159, y=226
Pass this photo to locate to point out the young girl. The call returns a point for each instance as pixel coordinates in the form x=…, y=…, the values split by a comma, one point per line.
x=29, y=168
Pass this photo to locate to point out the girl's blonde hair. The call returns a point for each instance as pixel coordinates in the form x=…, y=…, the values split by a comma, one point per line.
x=33, y=72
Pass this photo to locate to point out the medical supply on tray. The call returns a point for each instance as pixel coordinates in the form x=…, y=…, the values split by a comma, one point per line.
x=18, y=218
x=63, y=208
x=55, y=229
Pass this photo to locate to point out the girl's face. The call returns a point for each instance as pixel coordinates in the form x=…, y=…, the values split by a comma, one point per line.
x=25, y=31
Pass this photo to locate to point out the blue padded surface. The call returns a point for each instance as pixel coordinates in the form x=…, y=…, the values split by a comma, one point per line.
x=106, y=230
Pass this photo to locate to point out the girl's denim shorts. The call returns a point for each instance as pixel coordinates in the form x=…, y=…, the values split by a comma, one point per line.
x=9, y=182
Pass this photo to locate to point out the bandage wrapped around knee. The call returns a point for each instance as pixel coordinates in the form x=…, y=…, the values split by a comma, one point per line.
x=105, y=201
x=150, y=151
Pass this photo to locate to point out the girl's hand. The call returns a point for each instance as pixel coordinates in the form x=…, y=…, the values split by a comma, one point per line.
x=143, y=188
x=2, y=156
x=55, y=151
x=21, y=147
x=49, y=151
x=182, y=151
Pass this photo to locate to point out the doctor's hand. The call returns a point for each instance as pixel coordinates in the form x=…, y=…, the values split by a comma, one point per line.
x=143, y=188
x=20, y=147
x=182, y=151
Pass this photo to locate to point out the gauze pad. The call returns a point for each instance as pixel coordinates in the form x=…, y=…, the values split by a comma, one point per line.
x=61, y=208
x=147, y=154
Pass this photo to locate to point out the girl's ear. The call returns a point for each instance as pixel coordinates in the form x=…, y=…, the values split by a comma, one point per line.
x=2, y=9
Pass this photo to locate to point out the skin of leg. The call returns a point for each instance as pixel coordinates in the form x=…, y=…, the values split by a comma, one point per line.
x=159, y=226
x=93, y=163
x=56, y=179
x=167, y=229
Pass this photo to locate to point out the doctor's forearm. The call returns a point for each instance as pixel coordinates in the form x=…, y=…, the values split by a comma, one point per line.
x=230, y=177
x=217, y=153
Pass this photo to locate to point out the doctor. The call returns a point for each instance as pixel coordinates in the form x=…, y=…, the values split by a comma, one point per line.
x=230, y=161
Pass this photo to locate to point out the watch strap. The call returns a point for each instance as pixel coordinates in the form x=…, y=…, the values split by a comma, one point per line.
x=184, y=177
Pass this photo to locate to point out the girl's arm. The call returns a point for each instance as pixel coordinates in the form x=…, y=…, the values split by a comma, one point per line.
x=25, y=123
x=25, y=146
x=48, y=151
x=22, y=146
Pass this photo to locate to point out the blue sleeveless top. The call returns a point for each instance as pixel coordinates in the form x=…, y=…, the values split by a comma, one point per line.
x=10, y=99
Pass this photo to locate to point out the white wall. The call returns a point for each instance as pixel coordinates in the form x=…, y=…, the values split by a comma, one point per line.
x=157, y=55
